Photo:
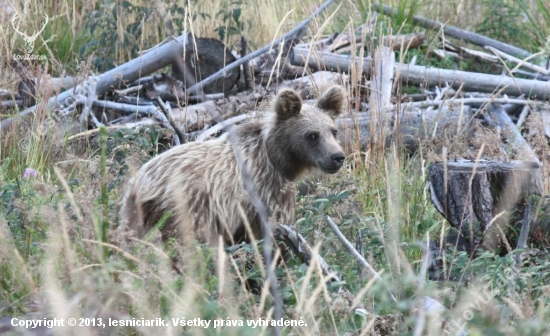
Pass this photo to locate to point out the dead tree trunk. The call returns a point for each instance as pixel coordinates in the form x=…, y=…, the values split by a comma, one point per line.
x=482, y=200
x=408, y=127
x=415, y=74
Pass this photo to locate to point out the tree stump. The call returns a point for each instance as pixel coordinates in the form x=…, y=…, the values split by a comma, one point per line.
x=486, y=201
x=203, y=58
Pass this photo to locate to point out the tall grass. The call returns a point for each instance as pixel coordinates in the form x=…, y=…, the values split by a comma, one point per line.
x=537, y=13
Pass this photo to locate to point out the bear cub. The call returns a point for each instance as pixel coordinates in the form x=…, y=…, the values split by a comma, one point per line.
x=201, y=183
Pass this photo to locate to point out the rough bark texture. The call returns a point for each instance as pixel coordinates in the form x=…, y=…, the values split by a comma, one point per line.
x=482, y=200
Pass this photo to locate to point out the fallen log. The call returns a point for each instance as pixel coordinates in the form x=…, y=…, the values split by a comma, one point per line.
x=519, y=62
x=408, y=127
x=152, y=61
x=179, y=137
x=199, y=116
x=354, y=129
x=405, y=42
x=533, y=75
x=143, y=110
x=473, y=102
x=325, y=61
x=467, y=81
x=455, y=32
x=482, y=199
x=502, y=119
x=11, y=103
x=300, y=27
x=395, y=42
x=7, y=94
x=61, y=82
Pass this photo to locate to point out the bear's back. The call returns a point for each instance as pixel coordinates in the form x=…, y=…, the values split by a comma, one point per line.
x=202, y=185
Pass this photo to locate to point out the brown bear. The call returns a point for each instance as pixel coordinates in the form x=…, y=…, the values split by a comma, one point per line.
x=201, y=184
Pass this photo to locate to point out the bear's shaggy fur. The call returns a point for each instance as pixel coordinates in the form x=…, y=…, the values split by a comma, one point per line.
x=202, y=185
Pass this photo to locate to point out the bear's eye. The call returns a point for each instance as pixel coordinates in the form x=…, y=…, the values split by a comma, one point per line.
x=335, y=132
x=313, y=136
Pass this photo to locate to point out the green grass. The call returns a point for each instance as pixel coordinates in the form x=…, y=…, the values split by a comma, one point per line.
x=70, y=257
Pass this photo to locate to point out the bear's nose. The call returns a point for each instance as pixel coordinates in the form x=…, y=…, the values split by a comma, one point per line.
x=338, y=158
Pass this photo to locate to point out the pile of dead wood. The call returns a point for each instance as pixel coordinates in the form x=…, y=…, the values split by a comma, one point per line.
x=210, y=88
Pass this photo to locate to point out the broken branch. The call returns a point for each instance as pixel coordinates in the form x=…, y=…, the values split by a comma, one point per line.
x=197, y=87
x=455, y=32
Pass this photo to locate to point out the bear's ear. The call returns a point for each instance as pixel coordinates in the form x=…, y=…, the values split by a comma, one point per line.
x=287, y=104
x=332, y=101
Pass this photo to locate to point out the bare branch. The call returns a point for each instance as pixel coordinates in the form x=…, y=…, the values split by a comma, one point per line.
x=455, y=32
x=197, y=87
x=168, y=114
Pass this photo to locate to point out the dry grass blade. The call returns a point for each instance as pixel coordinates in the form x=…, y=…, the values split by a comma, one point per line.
x=356, y=254
x=266, y=232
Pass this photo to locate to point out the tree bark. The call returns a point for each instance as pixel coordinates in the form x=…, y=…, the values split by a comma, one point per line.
x=483, y=199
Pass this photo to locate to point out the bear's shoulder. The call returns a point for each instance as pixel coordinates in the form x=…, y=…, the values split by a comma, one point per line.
x=249, y=130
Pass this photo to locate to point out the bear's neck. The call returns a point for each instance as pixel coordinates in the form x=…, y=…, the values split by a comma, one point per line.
x=282, y=160
x=267, y=154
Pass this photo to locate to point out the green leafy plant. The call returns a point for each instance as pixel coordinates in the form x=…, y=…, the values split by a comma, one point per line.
x=538, y=21
x=106, y=41
x=233, y=23
x=502, y=20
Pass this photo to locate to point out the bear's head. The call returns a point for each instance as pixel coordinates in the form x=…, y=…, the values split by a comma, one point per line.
x=301, y=136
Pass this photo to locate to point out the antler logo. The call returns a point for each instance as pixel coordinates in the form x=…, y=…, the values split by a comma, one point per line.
x=29, y=40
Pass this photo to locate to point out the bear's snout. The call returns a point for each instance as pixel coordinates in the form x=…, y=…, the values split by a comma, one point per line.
x=332, y=164
x=338, y=159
